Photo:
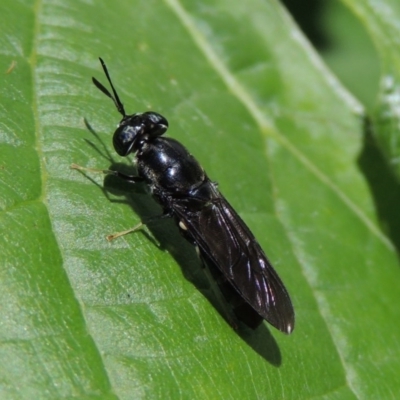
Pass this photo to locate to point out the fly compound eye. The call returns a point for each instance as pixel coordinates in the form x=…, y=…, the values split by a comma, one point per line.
x=125, y=138
x=155, y=124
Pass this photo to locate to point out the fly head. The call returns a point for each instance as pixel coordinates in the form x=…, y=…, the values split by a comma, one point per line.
x=135, y=129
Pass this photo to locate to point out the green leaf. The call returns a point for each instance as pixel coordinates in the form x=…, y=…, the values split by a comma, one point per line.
x=243, y=90
x=348, y=50
x=381, y=21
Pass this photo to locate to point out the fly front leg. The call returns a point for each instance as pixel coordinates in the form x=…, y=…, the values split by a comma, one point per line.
x=128, y=178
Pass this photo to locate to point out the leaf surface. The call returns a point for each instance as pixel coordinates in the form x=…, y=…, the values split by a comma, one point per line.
x=243, y=90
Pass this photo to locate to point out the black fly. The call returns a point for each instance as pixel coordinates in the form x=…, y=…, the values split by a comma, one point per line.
x=204, y=217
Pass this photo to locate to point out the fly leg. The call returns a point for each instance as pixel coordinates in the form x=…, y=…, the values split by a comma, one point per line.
x=128, y=178
x=131, y=179
x=138, y=226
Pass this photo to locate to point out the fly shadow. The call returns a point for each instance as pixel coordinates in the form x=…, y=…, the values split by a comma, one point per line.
x=165, y=235
x=382, y=181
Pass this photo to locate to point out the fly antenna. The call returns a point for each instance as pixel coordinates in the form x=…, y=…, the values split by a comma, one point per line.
x=115, y=98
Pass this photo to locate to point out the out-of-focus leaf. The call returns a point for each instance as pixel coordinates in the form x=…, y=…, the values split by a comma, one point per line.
x=381, y=20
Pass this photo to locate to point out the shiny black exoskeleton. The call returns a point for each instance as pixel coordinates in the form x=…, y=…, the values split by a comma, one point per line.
x=205, y=218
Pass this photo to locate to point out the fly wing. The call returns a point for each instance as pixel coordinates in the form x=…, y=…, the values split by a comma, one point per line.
x=225, y=241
